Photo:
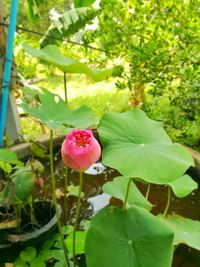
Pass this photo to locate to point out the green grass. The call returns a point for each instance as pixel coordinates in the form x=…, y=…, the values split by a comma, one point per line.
x=101, y=97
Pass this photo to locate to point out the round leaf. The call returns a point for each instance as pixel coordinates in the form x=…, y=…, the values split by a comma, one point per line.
x=185, y=230
x=143, y=148
x=133, y=238
x=183, y=186
x=52, y=55
x=118, y=187
x=51, y=110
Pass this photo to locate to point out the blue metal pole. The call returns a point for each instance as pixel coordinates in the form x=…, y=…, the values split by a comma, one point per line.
x=8, y=67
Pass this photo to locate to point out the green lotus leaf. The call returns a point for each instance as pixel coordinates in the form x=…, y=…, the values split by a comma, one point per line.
x=186, y=231
x=183, y=186
x=139, y=147
x=118, y=187
x=51, y=110
x=52, y=55
x=133, y=238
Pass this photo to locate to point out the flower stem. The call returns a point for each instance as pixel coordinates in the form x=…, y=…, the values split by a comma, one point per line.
x=168, y=201
x=127, y=193
x=53, y=183
x=148, y=190
x=77, y=216
x=65, y=86
x=65, y=192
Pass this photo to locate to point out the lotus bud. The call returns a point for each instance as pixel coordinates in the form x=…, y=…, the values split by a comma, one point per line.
x=80, y=150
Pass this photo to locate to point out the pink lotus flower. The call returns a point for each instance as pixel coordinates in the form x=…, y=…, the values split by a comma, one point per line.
x=80, y=150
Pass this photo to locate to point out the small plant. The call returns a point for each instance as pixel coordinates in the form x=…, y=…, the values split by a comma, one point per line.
x=17, y=184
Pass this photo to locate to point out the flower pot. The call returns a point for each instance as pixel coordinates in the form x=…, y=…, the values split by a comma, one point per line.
x=13, y=241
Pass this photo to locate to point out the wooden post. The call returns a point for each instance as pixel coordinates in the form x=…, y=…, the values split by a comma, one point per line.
x=13, y=125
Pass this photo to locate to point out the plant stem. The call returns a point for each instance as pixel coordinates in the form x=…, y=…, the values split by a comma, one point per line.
x=65, y=192
x=32, y=210
x=65, y=86
x=127, y=193
x=168, y=201
x=77, y=216
x=148, y=190
x=53, y=182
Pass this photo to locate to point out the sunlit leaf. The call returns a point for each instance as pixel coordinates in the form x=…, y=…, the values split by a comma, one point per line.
x=138, y=147
x=10, y=157
x=51, y=110
x=133, y=238
x=80, y=242
x=68, y=23
x=32, y=8
x=52, y=55
x=5, y=166
x=183, y=186
x=83, y=3
x=118, y=188
x=186, y=231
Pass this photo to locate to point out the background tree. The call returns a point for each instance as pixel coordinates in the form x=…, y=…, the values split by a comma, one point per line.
x=159, y=43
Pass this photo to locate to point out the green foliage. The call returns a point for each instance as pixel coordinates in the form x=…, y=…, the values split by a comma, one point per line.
x=52, y=55
x=158, y=41
x=179, y=112
x=118, y=188
x=19, y=189
x=70, y=22
x=38, y=150
x=108, y=101
x=23, y=181
x=144, y=149
x=51, y=110
x=28, y=254
x=186, y=230
x=183, y=186
x=82, y=3
x=27, y=66
x=8, y=158
x=128, y=238
x=80, y=242
x=51, y=251
x=33, y=13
